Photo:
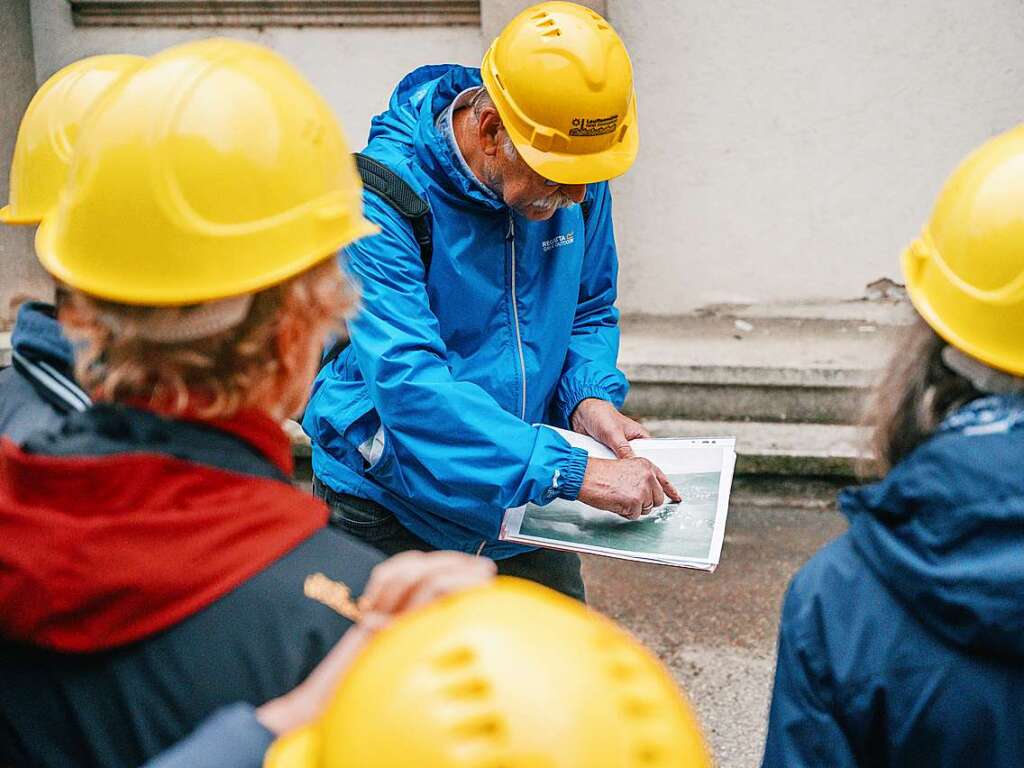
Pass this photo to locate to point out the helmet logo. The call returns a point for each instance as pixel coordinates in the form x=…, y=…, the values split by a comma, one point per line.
x=594, y=126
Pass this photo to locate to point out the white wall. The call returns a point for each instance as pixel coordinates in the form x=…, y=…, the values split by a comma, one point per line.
x=790, y=149
x=354, y=68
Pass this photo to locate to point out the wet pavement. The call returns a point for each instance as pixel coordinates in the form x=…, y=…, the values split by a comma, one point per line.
x=716, y=632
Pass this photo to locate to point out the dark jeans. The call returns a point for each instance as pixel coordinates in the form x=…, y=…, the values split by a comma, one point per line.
x=379, y=528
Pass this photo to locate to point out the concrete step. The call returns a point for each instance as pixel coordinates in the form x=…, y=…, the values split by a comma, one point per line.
x=767, y=449
x=785, y=365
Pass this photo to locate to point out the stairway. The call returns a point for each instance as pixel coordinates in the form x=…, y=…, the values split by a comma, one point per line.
x=788, y=381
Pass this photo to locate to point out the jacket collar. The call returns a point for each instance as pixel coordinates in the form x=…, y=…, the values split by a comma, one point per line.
x=38, y=335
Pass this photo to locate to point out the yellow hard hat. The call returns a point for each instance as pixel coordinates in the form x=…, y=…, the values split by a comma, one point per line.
x=212, y=171
x=510, y=674
x=562, y=82
x=965, y=273
x=49, y=130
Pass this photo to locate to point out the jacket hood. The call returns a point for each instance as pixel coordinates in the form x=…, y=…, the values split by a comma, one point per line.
x=409, y=128
x=124, y=523
x=37, y=334
x=944, y=531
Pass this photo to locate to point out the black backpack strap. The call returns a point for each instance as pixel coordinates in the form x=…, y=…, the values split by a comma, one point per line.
x=397, y=193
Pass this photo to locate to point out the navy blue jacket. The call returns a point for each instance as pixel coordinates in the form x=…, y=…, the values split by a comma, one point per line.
x=39, y=388
x=902, y=642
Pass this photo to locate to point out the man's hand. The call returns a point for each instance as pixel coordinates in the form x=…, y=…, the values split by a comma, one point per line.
x=627, y=487
x=602, y=421
x=399, y=584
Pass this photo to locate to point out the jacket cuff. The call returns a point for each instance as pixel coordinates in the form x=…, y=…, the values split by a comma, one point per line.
x=570, y=477
x=577, y=396
x=231, y=737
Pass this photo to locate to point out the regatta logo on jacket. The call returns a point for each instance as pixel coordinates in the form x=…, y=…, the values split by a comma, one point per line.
x=558, y=241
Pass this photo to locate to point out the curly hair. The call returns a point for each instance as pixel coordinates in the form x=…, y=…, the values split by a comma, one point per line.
x=211, y=377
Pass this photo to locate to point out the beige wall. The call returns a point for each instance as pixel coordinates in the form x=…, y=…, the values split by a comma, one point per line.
x=356, y=69
x=789, y=149
x=19, y=272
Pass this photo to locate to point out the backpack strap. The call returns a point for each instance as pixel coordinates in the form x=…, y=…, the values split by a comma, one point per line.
x=396, y=192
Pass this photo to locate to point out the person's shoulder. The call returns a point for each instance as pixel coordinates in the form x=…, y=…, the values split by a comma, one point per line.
x=22, y=410
x=831, y=589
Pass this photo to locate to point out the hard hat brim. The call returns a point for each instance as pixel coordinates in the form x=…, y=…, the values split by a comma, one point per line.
x=99, y=285
x=919, y=297
x=565, y=168
x=8, y=215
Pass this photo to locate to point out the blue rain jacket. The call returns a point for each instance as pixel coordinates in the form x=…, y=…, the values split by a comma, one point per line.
x=902, y=642
x=432, y=411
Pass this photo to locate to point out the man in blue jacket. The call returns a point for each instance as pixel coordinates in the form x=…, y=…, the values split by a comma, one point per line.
x=427, y=427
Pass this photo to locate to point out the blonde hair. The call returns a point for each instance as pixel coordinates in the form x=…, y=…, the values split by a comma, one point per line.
x=211, y=377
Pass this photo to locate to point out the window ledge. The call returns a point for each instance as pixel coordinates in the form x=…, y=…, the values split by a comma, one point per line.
x=274, y=13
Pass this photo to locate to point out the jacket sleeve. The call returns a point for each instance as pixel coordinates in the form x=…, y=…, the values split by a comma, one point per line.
x=802, y=729
x=442, y=435
x=590, y=365
x=231, y=737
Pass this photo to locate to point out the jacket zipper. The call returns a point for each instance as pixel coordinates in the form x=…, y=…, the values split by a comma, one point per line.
x=515, y=312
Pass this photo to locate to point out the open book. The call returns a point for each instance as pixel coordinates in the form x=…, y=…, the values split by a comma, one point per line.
x=687, y=534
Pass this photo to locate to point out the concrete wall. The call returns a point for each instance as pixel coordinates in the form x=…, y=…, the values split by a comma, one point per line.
x=19, y=272
x=790, y=149
x=354, y=68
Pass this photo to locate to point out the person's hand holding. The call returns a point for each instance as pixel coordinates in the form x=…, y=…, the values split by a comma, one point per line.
x=627, y=487
x=399, y=584
x=602, y=421
x=630, y=486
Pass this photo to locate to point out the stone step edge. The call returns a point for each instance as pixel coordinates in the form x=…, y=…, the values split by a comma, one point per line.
x=750, y=376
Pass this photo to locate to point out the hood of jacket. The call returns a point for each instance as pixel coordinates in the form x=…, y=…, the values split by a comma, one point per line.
x=124, y=523
x=411, y=121
x=37, y=334
x=944, y=531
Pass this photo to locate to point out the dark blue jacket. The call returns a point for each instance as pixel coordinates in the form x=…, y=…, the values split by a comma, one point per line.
x=902, y=642
x=39, y=388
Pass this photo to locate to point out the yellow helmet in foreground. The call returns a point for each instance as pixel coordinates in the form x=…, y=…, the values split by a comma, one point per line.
x=965, y=273
x=49, y=131
x=562, y=82
x=510, y=675
x=212, y=171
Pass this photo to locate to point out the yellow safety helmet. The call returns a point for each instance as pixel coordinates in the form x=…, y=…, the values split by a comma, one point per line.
x=212, y=171
x=562, y=82
x=510, y=674
x=49, y=130
x=965, y=273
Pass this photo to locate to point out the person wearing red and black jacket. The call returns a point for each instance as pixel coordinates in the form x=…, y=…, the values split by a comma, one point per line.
x=152, y=570
x=153, y=552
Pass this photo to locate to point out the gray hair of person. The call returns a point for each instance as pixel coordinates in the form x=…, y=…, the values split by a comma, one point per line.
x=482, y=100
x=924, y=382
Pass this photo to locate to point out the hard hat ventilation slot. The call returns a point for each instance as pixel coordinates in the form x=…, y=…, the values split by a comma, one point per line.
x=649, y=754
x=556, y=32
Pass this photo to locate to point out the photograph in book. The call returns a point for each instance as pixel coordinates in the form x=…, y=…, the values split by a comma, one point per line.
x=688, y=533
x=682, y=530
